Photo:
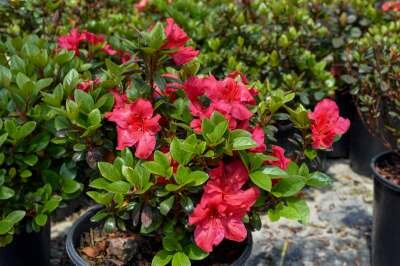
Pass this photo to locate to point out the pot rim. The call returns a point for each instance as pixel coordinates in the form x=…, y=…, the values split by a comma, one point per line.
x=76, y=258
x=69, y=243
x=380, y=178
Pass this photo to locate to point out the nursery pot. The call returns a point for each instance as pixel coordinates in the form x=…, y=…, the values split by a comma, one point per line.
x=386, y=229
x=28, y=249
x=83, y=224
x=363, y=147
x=346, y=106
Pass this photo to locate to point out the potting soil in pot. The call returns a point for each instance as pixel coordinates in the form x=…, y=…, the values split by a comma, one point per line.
x=390, y=168
x=99, y=248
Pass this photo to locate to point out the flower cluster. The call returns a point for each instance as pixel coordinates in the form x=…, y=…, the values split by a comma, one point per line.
x=391, y=6
x=223, y=205
x=228, y=97
x=73, y=40
x=136, y=125
x=176, y=40
x=326, y=124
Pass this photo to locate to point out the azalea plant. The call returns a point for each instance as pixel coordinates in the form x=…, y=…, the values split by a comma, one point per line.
x=373, y=64
x=187, y=162
x=36, y=172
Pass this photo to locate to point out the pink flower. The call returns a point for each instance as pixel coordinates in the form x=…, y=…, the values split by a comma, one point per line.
x=391, y=6
x=228, y=97
x=108, y=50
x=92, y=38
x=222, y=207
x=177, y=39
x=141, y=5
x=326, y=124
x=136, y=125
x=184, y=55
x=85, y=85
x=71, y=41
x=258, y=136
x=279, y=153
x=124, y=56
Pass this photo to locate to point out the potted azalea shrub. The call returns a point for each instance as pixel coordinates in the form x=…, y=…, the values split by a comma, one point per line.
x=191, y=171
x=36, y=173
x=375, y=64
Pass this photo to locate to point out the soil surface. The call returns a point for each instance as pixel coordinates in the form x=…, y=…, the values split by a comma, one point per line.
x=338, y=232
x=390, y=168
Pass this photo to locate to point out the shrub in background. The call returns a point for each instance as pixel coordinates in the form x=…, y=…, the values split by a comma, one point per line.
x=374, y=66
x=36, y=171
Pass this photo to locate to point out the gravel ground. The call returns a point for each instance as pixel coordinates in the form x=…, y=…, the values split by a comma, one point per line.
x=338, y=232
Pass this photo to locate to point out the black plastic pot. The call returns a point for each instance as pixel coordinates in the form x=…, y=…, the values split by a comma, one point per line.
x=83, y=224
x=31, y=249
x=346, y=106
x=363, y=147
x=386, y=225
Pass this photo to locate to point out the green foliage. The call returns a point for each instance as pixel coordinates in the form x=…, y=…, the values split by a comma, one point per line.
x=36, y=173
x=373, y=68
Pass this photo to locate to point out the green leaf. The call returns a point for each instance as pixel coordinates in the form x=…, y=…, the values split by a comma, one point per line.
x=261, y=180
x=31, y=159
x=3, y=138
x=109, y=171
x=288, y=186
x=194, y=252
x=51, y=204
x=110, y=225
x=178, y=154
x=5, y=76
x=180, y=259
x=70, y=186
x=6, y=193
x=71, y=80
x=170, y=243
x=26, y=129
x=119, y=187
x=166, y=205
x=12, y=218
x=41, y=219
x=84, y=100
x=94, y=117
x=99, y=183
x=243, y=143
x=100, y=198
x=198, y=178
x=274, y=171
x=155, y=168
x=161, y=258
x=157, y=36
x=319, y=180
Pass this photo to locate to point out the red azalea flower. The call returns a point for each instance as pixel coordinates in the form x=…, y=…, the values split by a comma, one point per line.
x=184, y=55
x=391, y=6
x=141, y=5
x=85, y=85
x=136, y=126
x=124, y=56
x=108, y=50
x=326, y=124
x=279, y=153
x=258, y=136
x=222, y=207
x=177, y=39
x=71, y=41
x=227, y=96
x=92, y=38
